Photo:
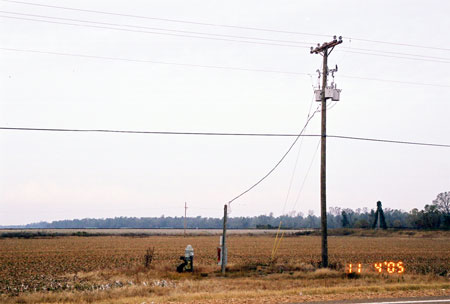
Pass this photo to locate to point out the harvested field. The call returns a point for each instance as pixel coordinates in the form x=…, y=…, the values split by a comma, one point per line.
x=74, y=269
x=143, y=232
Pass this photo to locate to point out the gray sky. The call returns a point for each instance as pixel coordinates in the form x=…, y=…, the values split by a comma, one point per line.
x=51, y=176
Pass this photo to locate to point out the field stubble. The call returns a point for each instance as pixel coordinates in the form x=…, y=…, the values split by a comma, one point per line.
x=102, y=268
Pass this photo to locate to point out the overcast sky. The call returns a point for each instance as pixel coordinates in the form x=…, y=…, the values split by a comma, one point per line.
x=47, y=176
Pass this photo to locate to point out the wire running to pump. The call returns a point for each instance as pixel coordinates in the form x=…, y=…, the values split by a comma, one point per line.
x=277, y=240
x=278, y=163
x=298, y=156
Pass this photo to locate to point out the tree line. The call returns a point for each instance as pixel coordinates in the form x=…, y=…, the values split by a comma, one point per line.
x=434, y=216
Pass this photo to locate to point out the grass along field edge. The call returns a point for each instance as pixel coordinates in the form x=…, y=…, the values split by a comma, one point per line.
x=158, y=295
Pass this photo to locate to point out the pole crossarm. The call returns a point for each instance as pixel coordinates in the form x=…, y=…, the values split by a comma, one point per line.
x=326, y=45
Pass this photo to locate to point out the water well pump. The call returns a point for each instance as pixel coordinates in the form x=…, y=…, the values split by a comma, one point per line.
x=188, y=260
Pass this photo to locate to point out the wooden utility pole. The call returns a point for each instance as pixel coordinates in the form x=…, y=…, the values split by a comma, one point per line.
x=224, y=247
x=325, y=49
x=185, y=211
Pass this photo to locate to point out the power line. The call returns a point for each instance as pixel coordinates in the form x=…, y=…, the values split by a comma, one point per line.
x=390, y=141
x=392, y=56
x=222, y=134
x=394, y=53
x=152, y=132
x=212, y=66
x=296, y=161
x=273, y=42
x=223, y=25
x=167, y=19
x=158, y=28
x=397, y=43
x=277, y=164
x=306, y=176
x=153, y=61
x=150, y=32
x=352, y=50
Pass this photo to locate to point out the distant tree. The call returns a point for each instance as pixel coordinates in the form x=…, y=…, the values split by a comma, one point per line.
x=334, y=217
x=345, y=221
x=351, y=217
x=379, y=214
x=395, y=218
x=431, y=217
x=415, y=219
x=434, y=216
x=311, y=221
x=442, y=203
x=245, y=222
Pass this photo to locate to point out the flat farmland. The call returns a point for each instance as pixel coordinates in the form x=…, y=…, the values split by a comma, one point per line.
x=77, y=269
x=149, y=232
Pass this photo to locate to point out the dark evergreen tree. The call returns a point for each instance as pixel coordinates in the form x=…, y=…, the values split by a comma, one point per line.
x=379, y=214
x=345, y=222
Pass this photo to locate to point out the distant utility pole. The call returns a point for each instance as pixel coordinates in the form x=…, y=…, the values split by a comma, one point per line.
x=224, y=234
x=325, y=49
x=185, y=209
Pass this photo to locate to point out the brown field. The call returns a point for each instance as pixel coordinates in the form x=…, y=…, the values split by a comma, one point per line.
x=161, y=231
x=110, y=269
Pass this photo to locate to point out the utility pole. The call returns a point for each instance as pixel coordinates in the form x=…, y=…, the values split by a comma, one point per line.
x=224, y=247
x=325, y=49
x=185, y=209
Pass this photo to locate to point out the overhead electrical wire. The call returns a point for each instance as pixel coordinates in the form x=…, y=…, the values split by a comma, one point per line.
x=212, y=36
x=164, y=19
x=400, y=57
x=291, y=180
x=389, y=141
x=399, y=44
x=222, y=25
x=153, y=61
x=306, y=176
x=277, y=164
x=213, y=66
x=152, y=132
x=277, y=240
x=352, y=50
x=390, y=52
x=222, y=134
x=298, y=156
x=154, y=33
x=160, y=29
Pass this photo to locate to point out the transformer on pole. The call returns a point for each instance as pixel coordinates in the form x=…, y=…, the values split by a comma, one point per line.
x=331, y=91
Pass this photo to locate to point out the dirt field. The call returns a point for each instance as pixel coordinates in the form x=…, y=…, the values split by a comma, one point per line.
x=111, y=269
x=149, y=232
